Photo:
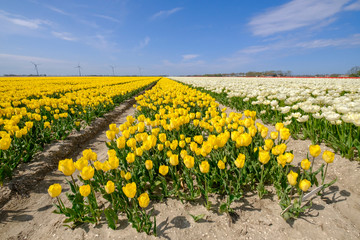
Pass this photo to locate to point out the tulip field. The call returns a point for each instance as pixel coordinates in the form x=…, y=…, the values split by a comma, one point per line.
x=180, y=144
x=36, y=110
x=320, y=109
x=228, y=146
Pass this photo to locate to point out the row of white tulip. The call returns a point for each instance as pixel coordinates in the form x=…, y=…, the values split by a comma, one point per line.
x=335, y=99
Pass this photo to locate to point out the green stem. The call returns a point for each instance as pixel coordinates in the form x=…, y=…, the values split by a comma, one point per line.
x=60, y=205
x=312, y=164
x=323, y=179
x=262, y=174
x=300, y=199
x=92, y=210
x=73, y=181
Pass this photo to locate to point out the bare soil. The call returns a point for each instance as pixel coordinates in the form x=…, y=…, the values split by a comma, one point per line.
x=27, y=211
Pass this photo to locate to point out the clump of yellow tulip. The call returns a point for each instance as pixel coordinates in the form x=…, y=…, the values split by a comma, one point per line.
x=180, y=144
x=33, y=113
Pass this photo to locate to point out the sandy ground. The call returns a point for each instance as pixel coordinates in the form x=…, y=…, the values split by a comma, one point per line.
x=336, y=215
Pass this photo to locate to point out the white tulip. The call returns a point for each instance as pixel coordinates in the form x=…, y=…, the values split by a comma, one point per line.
x=303, y=118
x=332, y=116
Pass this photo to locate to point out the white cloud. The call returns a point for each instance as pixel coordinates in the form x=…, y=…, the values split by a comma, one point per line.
x=64, y=36
x=22, y=21
x=143, y=43
x=57, y=10
x=254, y=49
x=107, y=18
x=353, y=6
x=350, y=41
x=23, y=58
x=295, y=14
x=166, y=13
x=189, y=56
x=353, y=40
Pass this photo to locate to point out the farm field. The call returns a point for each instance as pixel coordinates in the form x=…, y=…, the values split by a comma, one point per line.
x=206, y=164
x=37, y=110
x=320, y=109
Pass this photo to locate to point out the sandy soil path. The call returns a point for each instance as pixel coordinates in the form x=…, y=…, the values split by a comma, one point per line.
x=336, y=215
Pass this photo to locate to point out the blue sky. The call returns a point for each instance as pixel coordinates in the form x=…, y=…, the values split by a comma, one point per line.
x=178, y=37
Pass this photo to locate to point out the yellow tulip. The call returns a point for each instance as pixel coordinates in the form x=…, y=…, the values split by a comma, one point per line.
x=304, y=185
x=221, y=165
x=160, y=147
x=268, y=144
x=240, y=161
x=244, y=140
x=281, y=160
x=138, y=152
x=163, y=170
x=87, y=172
x=279, y=126
x=81, y=163
x=182, y=144
x=120, y=142
x=113, y=128
x=54, y=190
x=174, y=160
x=110, y=135
x=284, y=133
x=305, y=164
x=162, y=137
x=204, y=167
x=292, y=176
x=85, y=190
x=183, y=153
x=199, y=139
x=127, y=176
x=130, y=190
x=143, y=200
x=98, y=165
x=131, y=143
x=130, y=158
x=328, y=156
x=189, y=161
x=105, y=166
x=141, y=127
x=148, y=164
x=315, y=150
x=274, y=135
x=174, y=145
x=114, y=162
x=289, y=157
x=67, y=167
x=110, y=187
x=264, y=157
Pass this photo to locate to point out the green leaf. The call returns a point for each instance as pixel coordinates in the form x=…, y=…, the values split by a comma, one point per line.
x=330, y=183
x=154, y=229
x=110, y=218
x=223, y=208
x=157, y=182
x=197, y=217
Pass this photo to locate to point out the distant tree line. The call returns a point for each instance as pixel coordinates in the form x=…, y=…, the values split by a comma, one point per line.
x=271, y=73
x=354, y=71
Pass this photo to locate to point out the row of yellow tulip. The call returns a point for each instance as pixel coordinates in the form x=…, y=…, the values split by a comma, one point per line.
x=49, y=108
x=180, y=144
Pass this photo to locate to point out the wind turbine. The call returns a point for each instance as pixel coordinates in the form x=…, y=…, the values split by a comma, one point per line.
x=36, y=68
x=140, y=70
x=78, y=66
x=112, y=67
